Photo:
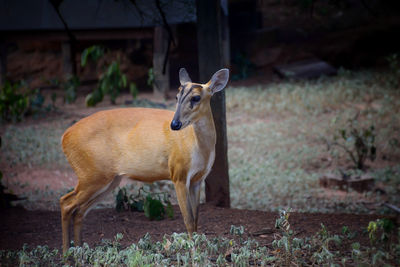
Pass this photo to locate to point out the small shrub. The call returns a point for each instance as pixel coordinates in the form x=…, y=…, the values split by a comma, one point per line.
x=128, y=202
x=111, y=80
x=133, y=90
x=154, y=205
x=18, y=101
x=93, y=53
x=358, y=142
x=286, y=245
x=14, y=102
x=150, y=77
x=382, y=227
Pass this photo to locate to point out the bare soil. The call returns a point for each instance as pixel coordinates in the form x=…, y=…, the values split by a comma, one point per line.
x=42, y=227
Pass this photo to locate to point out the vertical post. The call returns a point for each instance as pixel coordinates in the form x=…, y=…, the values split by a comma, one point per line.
x=213, y=51
x=160, y=47
x=3, y=61
x=68, y=55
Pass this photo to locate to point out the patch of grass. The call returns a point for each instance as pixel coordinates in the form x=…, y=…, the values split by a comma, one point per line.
x=276, y=132
x=34, y=145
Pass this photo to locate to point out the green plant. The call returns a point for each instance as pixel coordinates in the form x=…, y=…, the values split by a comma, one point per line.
x=18, y=101
x=382, y=227
x=94, y=53
x=316, y=249
x=70, y=87
x=133, y=90
x=128, y=202
x=150, y=75
x=111, y=80
x=358, y=142
x=154, y=205
x=383, y=251
x=153, y=208
x=178, y=249
x=14, y=103
x=286, y=245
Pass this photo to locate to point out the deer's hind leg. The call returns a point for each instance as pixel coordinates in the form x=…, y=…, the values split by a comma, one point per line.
x=76, y=205
x=67, y=209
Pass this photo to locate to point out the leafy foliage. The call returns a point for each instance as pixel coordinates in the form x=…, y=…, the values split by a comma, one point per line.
x=93, y=53
x=111, y=80
x=325, y=249
x=17, y=101
x=133, y=90
x=384, y=227
x=154, y=205
x=14, y=103
x=178, y=249
x=153, y=208
x=173, y=250
x=128, y=202
x=357, y=142
x=150, y=77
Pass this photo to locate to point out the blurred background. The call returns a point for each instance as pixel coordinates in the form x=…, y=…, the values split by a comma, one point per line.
x=43, y=41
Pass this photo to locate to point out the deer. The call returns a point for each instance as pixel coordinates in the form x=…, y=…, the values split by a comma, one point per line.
x=145, y=145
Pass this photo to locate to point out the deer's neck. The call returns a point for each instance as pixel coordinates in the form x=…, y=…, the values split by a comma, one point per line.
x=204, y=130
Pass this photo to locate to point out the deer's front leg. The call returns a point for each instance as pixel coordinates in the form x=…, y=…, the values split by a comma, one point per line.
x=194, y=192
x=185, y=205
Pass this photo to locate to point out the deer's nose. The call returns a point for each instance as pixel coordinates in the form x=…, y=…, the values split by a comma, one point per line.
x=176, y=125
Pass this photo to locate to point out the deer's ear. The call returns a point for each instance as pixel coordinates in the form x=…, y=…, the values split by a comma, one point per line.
x=219, y=80
x=184, y=76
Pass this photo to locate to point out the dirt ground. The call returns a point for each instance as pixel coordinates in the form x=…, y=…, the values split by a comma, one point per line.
x=19, y=226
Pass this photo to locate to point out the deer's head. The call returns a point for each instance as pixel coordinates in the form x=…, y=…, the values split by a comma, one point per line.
x=193, y=99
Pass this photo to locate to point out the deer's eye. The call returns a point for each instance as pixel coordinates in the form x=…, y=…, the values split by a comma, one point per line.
x=195, y=99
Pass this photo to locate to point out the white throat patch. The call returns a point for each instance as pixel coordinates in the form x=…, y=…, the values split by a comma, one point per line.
x=198, y=164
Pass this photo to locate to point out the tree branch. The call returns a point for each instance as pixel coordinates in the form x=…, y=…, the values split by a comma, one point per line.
x=141, y=13
x=56, y=4
x=169, y=31
x=72, y=40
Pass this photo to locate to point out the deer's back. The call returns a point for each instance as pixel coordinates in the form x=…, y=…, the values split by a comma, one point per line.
x=119, y=141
